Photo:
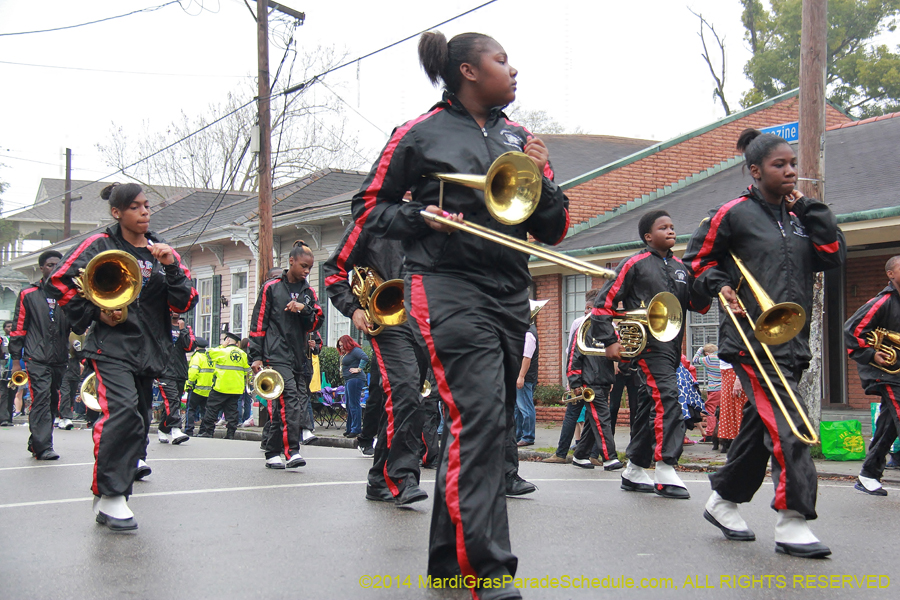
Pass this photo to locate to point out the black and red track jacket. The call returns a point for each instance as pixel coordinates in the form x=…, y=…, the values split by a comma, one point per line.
x=595, y=372
x=278, y=337
x=783, y=250
x=638, y=279
x=183, y=340
x=359, y=248
x=447, y=139
x=881, y=311
x=41, y=338
x=143, y=341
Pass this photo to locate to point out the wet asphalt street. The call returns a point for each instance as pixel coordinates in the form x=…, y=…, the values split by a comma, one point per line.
x=214, y=523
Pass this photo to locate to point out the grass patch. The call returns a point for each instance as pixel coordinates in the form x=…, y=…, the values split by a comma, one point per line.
x=544, y=449
x=816, y=451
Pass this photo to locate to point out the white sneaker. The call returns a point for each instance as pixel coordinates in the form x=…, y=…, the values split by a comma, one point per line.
x=178, y=436
x=164, y=438
x=275, y=462
x=307, y=436
x=249, y=423
x=584, y=463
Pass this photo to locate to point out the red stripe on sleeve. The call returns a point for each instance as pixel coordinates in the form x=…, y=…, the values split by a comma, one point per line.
x=608, y=308
x=710, y=238
x=341, y=265
x=258, y=331
x=56, y=278
x=371, y=193
x=870, y=314
x=829, y=248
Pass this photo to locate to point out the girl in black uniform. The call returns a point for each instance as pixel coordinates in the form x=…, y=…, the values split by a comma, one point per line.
x=467, y=298
x=127, y=355
x=783, y=238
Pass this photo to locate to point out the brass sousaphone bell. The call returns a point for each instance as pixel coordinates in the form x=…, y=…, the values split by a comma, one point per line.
x=111, y=280
x=382, y=300
x=512, y=190
x=662, y=318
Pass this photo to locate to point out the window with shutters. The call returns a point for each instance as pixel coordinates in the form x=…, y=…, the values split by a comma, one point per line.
x=702, y=330
x=204, y=310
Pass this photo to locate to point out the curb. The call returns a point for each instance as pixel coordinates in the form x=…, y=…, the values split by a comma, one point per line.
x=256, y=436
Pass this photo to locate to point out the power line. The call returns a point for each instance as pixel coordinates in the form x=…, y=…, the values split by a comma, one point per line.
x=134, y=12
x=21, y=64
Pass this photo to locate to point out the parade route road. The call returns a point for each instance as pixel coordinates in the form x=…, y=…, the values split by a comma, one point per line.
x=214, y=523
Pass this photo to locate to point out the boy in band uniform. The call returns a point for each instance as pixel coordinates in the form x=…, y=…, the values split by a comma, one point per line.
x=881, y=312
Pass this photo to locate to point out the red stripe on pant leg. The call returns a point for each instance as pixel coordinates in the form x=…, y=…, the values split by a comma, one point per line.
x=425, y=456
x=284, y=429
x=600, y=432
x=97, y=431
x=162, y=393
x=657, y=402
x=389, y=411
x=422, y=318
x=767, y=414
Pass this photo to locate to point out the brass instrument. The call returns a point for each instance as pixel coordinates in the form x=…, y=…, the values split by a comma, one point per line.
x=587, y=394
x=111, y=280
x=88, y=393
x=268, y=384
x=662, y=318
x=18, y=378
x=512, y=190
x=778, y=324
x=887, y=341
x=382, y=300
x=426, y=389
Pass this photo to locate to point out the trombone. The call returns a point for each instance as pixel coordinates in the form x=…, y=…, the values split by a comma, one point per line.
x=778, y=324
x=512, y=190
x=111, y=280
x=662, y=318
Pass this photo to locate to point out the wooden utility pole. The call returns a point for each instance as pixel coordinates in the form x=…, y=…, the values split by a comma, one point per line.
x=264, y=260
x=813, y=59
x=67, y=201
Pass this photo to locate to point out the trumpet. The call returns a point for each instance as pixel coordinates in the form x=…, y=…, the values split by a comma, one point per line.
x=18, y=378
x=887, y=341
x=88, y=392
x=778, y=324
x=382, y=300
x=570, y=397
x=111, y=280
x=268, y=384
x=662, y=318
x=512, y=190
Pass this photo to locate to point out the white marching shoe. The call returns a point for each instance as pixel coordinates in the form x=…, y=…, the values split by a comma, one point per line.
x=870, y=486
x=143, y=470
x=164, y=438
x=724, y=515
x=275, y=462
x=307, y=437
x=113, y=512
x=667, y=483
x=635, y=479
x=178, y=437
x=794, y=537
x=66, y=424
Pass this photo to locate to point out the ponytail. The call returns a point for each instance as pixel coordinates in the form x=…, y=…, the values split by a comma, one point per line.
x=441, y=59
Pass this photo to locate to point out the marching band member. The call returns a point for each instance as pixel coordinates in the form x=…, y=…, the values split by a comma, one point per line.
x=40, y=335
x=881, y=312
x=658, y=432
x=286, y=311
x=783, y=238
x=171, y=384
x=126, y=354
x=400, y=364
x=467, y=297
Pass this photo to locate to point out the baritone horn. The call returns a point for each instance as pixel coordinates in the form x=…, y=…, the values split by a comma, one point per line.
x=268, y=384
x=88, y=393
x=18, y=378
x=778, y=324
x=882, y=340
x=111, y=281
x=662, y=318
x=381, y=300
x=512, y=190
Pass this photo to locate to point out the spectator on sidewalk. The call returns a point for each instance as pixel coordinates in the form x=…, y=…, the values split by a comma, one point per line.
x=731, y=403
x=525, y=384
x=689, y=397
x=707, y=356
x=353, y=365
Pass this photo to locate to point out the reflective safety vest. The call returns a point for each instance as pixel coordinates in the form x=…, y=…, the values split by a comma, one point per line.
x=230, y=363
x=201, y=373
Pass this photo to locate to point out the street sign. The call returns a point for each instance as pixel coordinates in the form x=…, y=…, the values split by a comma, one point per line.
x=789, y=131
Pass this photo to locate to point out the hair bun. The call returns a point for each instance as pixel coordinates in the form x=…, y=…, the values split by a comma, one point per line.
x=300, y=243
x=747, y=136
x=106, y=192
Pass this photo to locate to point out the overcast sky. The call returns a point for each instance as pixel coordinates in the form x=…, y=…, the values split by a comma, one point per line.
x=604, y=66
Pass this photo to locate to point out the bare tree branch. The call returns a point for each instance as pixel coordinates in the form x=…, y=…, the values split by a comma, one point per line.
x=719, y=92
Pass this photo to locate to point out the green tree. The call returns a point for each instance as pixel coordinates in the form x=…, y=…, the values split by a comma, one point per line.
x=862, y=77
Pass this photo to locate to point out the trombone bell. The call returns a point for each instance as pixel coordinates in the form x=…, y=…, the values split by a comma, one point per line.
x=512, y=187
x=268, y=384
x=778, y=323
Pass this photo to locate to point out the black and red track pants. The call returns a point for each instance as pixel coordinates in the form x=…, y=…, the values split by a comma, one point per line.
x=658, y=431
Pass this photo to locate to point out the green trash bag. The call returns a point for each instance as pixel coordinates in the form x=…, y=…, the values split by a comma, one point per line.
x=842, y=440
